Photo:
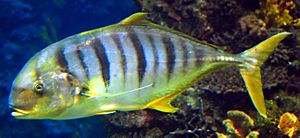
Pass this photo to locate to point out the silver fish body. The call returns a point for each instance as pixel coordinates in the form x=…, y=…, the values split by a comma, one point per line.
x=128, y=66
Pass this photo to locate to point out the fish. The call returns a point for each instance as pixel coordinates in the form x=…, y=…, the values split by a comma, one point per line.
x=132, y=65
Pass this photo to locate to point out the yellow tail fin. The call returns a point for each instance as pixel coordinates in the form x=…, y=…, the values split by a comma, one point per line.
x=250, y=70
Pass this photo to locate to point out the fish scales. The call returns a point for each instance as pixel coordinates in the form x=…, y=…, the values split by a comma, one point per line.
x=179, y=54
x=89, y=60
x=62, y=61
x=92, y=64
x=102, y=58
x=125, y=56
x=139, y=50
x=150, y=55
x=116, y=61
x=122, y=59
x=185, y=56
x=128, y=66
x=167, y=47
x=170, y=54
x=86, y=65
x=131, y=74
x=82, y=63
x=160, y=66
x=74, y=62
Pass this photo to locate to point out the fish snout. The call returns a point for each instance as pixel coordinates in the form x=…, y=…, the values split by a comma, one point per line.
x=22, y=100
x=18, y=112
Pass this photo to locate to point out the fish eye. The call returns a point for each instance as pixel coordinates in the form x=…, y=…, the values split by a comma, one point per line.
x=38, y=86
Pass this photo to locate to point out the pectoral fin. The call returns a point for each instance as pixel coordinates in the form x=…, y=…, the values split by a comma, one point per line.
x=92, y=88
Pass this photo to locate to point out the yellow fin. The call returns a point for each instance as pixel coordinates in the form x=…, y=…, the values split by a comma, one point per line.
x=263, y=50
x=136, y=19
x=104, y=113
x=94, y=87
x=140, y=19
x=250, y=69
x=163, y=104
x=253, y=84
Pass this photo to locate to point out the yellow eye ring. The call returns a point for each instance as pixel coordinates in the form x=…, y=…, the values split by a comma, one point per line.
x=38, y=86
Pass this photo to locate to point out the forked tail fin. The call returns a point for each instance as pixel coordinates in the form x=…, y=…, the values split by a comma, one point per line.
x=250, y=69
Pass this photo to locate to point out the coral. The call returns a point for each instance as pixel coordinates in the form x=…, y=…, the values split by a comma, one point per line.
x=183, y=15
x=283, y=102
x=216, y=11
x=191, y=118
x=188, y=121
x=239, y=124
x=250, y=25
x=294, y=65
x=131, y=119
x=289, y=124
x=279, y=13
x=241, y=120
x=253, y=134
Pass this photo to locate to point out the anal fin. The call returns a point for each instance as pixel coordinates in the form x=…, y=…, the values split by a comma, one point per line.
x=163, y=104
x=104, y=113
x=163, y=107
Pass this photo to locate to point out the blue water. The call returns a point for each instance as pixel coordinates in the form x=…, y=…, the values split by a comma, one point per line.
x=27, y=26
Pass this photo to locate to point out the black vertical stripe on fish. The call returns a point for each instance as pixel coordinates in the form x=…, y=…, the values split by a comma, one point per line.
x=142, y=64
x=82, y=63
x=155, y=54
x=123, y=61
x=61, y=59
x=170, y=51
x=185, y=55
x=63, y=63
x=102, y=58
x=198, y=55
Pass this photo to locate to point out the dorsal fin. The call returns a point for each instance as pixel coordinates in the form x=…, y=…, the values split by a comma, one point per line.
x=136, y=19
x=140, y=18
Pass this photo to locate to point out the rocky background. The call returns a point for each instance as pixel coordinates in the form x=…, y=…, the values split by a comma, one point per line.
x=216, y=106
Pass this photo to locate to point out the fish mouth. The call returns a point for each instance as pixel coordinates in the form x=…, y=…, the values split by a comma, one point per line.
x=17, y=112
